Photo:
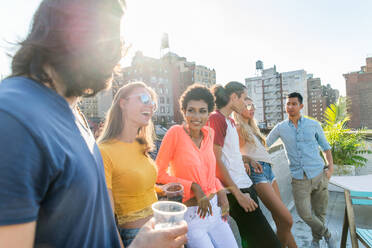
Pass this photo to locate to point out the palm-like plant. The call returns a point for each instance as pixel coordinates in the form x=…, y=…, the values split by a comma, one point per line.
x=348, y=147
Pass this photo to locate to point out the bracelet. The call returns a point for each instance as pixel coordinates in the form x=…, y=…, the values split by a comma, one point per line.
x=225, y=210
x=202, y=198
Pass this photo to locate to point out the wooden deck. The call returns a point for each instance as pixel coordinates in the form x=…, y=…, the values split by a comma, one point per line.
x=335, y=214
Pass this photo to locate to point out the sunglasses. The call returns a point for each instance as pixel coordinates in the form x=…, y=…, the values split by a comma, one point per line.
x=145, y=99
x=251, y=106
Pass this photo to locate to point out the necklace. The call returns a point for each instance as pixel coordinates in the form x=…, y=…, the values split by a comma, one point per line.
x=198, y=140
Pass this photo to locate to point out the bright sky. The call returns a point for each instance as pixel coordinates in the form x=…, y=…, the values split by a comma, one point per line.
x=326, y=38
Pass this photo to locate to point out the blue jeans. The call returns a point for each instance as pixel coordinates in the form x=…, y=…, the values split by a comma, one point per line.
x=267, y=175
x=127, y=235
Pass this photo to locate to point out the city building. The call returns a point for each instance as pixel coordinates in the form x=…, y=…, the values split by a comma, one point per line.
x=204, y=76
x=95, y=108
x=331, y=95
x=359, y=92
x=269, y=90
x=156, y=73
x=319, y=97
x=169, y=76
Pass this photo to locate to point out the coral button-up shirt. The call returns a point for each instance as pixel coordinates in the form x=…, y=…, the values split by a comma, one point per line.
x=187, y=162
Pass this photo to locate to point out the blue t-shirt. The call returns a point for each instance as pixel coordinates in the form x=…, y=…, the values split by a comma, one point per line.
x=51, y=170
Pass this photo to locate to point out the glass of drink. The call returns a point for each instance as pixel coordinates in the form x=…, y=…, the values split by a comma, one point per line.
x=168, y=214
x=173, y=191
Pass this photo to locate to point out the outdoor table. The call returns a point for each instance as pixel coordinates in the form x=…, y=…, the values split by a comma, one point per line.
x=351, y=183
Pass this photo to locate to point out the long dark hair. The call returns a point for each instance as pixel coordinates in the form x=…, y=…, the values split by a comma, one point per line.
x=223, y=93
x=78, y=39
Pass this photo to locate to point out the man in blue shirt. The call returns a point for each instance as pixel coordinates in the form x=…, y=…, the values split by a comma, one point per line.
x=52, y=185
x=301, y=138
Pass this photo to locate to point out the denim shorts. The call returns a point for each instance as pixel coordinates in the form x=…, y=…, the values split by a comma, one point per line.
x=127, y=235
x=267, y=175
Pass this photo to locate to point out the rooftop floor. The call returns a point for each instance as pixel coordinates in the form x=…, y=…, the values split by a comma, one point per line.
x=335, y=218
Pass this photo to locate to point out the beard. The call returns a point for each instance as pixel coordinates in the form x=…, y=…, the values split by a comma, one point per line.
x=86, y=74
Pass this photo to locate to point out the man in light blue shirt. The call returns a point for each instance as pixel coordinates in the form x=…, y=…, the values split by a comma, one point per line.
x=302, y=137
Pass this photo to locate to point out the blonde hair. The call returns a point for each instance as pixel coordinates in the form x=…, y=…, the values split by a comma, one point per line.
x=248, y=129
x=114, y=119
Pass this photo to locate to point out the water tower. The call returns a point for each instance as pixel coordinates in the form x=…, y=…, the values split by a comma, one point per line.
x=259, y=67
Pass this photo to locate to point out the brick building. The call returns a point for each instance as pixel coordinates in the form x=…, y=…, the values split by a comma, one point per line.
x=359, y=91
x=319, y=97
x=169, y=76
x=156, y=73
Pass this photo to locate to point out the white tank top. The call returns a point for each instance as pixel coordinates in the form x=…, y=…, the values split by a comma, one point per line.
x=256, y=151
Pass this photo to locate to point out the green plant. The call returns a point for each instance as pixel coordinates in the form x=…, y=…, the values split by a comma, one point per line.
x=348, y=147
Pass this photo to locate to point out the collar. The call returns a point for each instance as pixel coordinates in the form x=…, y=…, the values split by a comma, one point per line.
x=299, y=121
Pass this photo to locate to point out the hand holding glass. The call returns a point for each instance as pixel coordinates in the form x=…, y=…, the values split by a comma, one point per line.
x=168, y=214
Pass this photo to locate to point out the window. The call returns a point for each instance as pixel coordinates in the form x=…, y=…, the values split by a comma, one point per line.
x=168, y=109
x=162, y=109
x=162, y=100
x=168, y=100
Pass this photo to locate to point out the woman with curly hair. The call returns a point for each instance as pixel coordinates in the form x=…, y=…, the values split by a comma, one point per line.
x=188, y=149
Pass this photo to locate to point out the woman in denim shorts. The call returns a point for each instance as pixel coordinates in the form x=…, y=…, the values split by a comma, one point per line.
x=253, y=149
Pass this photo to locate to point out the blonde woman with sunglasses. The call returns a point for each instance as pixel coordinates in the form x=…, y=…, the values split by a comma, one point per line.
x=253, y=147
x=126, y=139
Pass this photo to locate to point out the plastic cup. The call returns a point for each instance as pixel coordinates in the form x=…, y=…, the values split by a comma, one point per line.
x=168, y=214
x=173, y=191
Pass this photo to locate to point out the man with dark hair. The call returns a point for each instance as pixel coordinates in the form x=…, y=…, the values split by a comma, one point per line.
x=52, y=185
x=301, y=138
x=254, y=229
x=296, y=95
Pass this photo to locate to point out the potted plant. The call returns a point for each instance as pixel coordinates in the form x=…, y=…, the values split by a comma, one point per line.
x=348, y=147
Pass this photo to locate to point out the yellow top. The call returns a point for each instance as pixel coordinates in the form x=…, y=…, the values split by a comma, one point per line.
x=131, y=176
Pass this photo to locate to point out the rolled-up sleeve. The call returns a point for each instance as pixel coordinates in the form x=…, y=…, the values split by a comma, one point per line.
x=165, y=155
x=320, y=137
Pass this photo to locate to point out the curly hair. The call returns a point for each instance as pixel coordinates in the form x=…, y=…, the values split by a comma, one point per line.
x=197, y=92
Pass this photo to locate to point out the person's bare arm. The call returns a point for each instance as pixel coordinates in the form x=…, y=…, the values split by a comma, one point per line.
x=113, y=210
x=18, y=235
x=223, y=174
x=328, y=156
x=244, y=200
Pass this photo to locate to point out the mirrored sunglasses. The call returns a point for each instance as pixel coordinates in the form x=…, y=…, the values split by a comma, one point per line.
x=145, y=99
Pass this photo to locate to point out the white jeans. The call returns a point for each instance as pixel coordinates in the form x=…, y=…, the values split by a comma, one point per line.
x=211, y=232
